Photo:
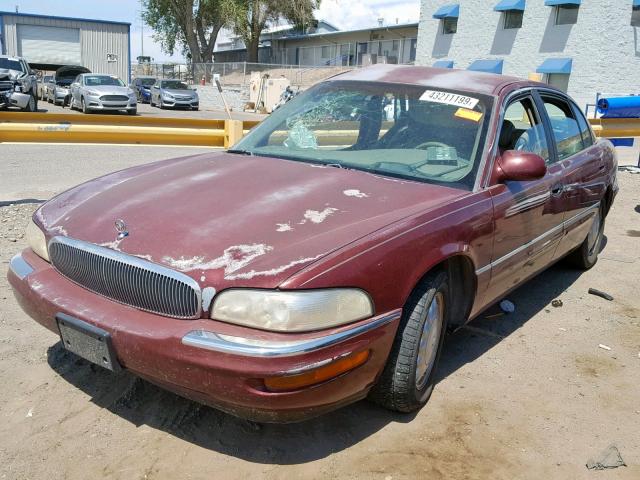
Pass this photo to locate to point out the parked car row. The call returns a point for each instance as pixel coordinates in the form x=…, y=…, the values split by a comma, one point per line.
x=80, y=89
x=77, y=87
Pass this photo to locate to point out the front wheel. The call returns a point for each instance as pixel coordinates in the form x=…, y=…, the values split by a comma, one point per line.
x=586, y=255
x=408, y=378
x=83, y=106
x=32, y=105
x=132, y=112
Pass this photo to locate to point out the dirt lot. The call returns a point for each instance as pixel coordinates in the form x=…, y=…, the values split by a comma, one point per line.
x=523, y=396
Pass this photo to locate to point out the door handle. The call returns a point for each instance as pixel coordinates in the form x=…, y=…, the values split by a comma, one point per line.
x=557, y=189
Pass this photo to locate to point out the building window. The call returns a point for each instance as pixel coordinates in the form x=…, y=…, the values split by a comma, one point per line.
x=513, y=19
x=635, y=17
x=395, y=45
x=449, y=25
x=567, y=14
x=325, y=52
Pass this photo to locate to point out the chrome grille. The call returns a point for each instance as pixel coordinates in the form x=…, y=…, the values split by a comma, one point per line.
x=114, y=98
x=126, y=279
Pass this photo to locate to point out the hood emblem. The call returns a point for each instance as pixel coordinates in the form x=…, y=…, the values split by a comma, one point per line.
x=121, y=228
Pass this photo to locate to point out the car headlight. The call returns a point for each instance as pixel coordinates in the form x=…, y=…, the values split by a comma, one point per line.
x=168, y=95
x=36, y=240
x=295, y=311
x=92, y=93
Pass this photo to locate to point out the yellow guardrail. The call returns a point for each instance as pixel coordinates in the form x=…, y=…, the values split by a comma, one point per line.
x=615, y=127
x=75, y=128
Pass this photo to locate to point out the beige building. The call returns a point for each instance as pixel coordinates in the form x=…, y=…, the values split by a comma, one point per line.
x=382, y=44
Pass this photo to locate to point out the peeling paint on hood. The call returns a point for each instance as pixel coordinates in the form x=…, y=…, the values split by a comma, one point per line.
x=222, y=216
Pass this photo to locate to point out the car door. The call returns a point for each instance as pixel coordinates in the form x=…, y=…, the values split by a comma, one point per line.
x=74, y=90
x=527, y=214
x=582, y=163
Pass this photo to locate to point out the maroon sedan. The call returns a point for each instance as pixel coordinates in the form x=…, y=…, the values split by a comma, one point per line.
x=323, y=258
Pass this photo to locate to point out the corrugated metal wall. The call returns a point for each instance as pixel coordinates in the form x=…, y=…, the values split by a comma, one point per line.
x=97, y=40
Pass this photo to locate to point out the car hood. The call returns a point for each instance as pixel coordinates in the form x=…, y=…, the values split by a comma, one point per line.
x=232, y=220
x=71, y=71
x=109, y=89
x=8, y=74
x=175, y=91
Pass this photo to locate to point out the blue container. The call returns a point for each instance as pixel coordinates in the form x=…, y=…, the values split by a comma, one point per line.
x=619, y=107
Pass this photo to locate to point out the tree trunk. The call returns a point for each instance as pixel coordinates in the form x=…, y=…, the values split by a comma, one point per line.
x=252, y=50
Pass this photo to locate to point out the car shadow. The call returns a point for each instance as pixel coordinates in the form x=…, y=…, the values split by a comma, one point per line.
x=143, y=403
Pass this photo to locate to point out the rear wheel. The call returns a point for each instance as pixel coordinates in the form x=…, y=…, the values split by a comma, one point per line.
x=586, y=255
x=408, y=378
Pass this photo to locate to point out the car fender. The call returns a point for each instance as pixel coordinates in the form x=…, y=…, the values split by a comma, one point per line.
x=390, y=262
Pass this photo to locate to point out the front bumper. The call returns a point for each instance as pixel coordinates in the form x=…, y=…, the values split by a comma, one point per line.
x=60, y=94
x=95, y=103
x=14, y=99
x=200, y=359
x=176, y=103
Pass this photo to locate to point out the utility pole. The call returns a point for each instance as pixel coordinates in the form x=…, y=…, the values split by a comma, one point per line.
x=141, y=28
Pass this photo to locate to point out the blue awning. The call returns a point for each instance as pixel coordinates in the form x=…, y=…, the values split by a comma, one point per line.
x=552, y=3
x=556, y=65
x=506, y=5
x=443, y=64
x=448, y=11
x=489, y=66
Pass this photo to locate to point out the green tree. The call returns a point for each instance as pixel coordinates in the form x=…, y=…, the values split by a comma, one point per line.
x=190, y=26
x=250, y=17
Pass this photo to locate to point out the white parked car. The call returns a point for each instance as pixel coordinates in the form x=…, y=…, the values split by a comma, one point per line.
x=100, y=92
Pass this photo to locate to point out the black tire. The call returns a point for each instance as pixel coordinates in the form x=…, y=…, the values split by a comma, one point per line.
x=586, y=255
x=399, y=387
x=83, y=106
x=195, y=109
x=132, y=112
x=32, y=106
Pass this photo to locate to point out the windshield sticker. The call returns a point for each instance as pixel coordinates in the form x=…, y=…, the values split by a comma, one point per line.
x=468, y=114
x=448, y=98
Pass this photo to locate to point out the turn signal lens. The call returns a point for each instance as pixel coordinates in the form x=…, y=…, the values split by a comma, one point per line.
x=318, y=375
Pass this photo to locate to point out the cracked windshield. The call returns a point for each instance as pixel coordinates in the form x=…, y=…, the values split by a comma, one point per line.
x=411, y=132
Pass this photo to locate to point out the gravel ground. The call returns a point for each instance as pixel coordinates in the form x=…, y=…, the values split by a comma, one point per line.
x=528, y=395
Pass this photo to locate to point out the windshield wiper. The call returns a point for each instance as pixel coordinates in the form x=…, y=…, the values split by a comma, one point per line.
x=239, y=151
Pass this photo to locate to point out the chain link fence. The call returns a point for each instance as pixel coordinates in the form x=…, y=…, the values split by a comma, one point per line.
x=237, y=74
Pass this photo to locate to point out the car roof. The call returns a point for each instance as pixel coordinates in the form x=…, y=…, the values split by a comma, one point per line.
x=446, y=78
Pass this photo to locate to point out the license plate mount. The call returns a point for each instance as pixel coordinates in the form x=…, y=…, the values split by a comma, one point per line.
x=87, y=341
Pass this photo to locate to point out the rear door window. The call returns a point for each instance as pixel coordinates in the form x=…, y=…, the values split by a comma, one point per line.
x=585, y=130
x=564, y=125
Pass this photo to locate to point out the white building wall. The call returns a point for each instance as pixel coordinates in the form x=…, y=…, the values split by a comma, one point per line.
x=97, y=39
x=604, y=46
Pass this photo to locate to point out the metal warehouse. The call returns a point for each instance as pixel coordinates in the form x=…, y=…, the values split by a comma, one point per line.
x=50, y=42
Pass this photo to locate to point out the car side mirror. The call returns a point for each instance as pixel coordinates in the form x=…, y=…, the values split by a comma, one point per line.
x=520, y=166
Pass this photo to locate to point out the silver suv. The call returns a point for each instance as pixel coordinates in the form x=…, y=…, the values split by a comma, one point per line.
x=18, y=84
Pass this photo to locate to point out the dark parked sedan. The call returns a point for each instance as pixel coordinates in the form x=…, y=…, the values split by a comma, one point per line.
x=322, y=260
x=142, y=86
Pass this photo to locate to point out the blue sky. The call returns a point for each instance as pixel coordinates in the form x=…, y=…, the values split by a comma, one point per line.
x=344, y=14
